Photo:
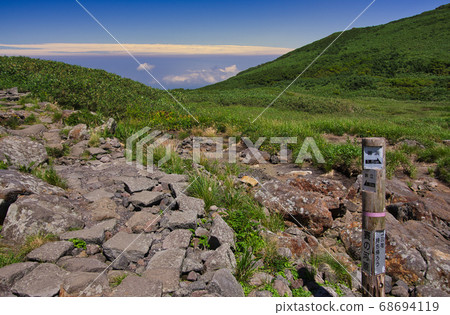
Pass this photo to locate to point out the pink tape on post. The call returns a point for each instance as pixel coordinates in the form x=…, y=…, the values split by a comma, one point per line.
x=374, y=214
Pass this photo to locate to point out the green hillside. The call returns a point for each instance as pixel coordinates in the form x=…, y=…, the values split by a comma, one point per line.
x=404, y=59
x=384, y=81
x=74, y=86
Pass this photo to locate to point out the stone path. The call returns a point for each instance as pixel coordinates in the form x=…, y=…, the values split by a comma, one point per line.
x=142, y=229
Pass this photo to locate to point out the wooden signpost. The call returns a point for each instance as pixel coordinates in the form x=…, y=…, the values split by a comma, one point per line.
x=373, y=217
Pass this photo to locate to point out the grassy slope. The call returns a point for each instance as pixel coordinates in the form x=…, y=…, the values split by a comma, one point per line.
x=404, y=59
x=311, y=108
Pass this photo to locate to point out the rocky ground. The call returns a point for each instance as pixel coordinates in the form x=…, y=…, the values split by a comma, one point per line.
x=141, y=233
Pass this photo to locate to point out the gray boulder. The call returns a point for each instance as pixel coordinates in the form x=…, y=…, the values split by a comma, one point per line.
x=168, y=179
x=22, y=151
x=168, y=277
x=146, y=198
x=31, y=131
x=50, y=252
x=178, y=189
x=103, y=209
x=260, y=278
x=177, y=239
x=40, y=213
x=225, y=284
x=133, y=246
x=429, y=291
x=186, y=203
x=221, y=234
x=81, y=283
x=98, y=194
x=82, y=264
x=137, y=184
x=12, y=273
x=79, y=132
x=138, y=286
x=169, y=258
x=14, y=183
x=182, y=220
x=43, y=281
x=95, y=234
x=190, y=265
x=221, y=258
x=143, y=221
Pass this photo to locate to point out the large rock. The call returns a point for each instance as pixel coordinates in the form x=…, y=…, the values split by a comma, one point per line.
x=137, y=184
x=98, y=194
x=146, y=198
x=43, y=281
x=305, y=208
x=168, y=277
x=177, y=239
x=79, y=132
x=282, y=288
x=81, y=283
x=138, y=286
x=103, y=209
x=31, y=131
x=22, y=151
x=222, y=257
x=293, y=241
x=260, y=278
x=14, y=183
x=190, y=265
x=417, y=252
x=50, y=252
x=351, y=236
x=168, y=179
x=82, y=264
x=53, y=139
x=225, y=284
x=429, y=291
x=178, y=189
x=143, y=221
x=182, y=220
x=40, y=213
x=12, y=273
x=95, y=234
x=221, y=234
x=136, y=246
x=186, y=203
x=169, y=258
x=398, y=191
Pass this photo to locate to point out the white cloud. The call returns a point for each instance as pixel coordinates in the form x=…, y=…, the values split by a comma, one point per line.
x=204, y=75
x=60, y=49
x=145, y=66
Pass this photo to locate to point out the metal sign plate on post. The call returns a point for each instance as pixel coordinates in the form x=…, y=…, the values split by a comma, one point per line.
x=380, y=252
x=369, y=180
x=373, y=158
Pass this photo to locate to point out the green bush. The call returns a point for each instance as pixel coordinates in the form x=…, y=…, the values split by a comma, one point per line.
x=83, y=116
x=246, y=265
x=443, y=169
x=78, y=243
x=50, y=176
x=30, y=119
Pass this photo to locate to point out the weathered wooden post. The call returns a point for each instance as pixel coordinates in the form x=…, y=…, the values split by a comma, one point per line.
x=373, y=216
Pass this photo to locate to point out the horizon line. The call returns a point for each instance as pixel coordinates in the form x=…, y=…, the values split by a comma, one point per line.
x=95, y=49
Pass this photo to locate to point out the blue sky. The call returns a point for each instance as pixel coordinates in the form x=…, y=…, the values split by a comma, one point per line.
x=281, y=24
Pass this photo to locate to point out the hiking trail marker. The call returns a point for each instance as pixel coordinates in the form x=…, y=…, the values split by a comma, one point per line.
x=373, y=243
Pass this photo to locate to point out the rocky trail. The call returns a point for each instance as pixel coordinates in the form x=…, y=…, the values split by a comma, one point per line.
x=123, y=231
